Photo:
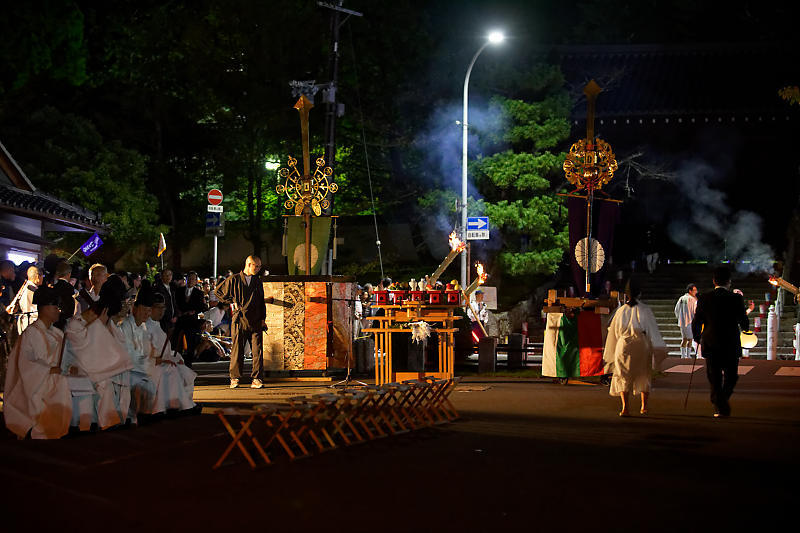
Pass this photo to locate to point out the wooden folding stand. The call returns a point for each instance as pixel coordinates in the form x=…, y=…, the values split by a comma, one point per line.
x=250, y=415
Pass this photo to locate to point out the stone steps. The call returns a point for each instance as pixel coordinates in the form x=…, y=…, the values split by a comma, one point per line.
x=663, y=288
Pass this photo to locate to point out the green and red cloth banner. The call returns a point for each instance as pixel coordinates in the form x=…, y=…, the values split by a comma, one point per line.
x=573, y=345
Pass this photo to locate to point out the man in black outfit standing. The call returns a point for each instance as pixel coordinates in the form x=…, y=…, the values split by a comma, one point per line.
x=715, y=327
x=245, y=293
x=66, y=294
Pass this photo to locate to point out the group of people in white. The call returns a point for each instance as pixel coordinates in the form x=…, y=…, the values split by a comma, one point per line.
x=105, y=369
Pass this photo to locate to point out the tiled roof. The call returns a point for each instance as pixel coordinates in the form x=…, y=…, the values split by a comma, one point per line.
x=675, y=80
x=49, y=207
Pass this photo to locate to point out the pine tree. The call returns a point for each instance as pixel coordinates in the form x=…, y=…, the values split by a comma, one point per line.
x=520, y=178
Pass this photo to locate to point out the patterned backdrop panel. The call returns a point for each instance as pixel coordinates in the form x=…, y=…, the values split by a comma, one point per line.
x=343, y=311
x=293, y=325
x=273, y=337
x=316, y=334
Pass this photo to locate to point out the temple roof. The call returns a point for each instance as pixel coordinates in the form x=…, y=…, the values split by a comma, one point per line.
x=682, y=80
x=19, y=196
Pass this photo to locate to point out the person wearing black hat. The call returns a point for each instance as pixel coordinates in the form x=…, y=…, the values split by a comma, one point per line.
x=633, y=343
x=176, y=382
x=96, y=346
x=37, y=395
x=137, y=341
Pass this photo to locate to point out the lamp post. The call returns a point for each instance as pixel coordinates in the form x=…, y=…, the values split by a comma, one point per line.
x=494, y=37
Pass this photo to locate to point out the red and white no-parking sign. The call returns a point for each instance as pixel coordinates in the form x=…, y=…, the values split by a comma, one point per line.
x=215, y=197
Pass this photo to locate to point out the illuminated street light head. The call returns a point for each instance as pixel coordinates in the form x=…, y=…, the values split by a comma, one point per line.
x=496, y=37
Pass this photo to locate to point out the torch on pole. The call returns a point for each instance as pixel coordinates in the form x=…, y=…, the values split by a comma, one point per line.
x=480, y=279
x=456, y=247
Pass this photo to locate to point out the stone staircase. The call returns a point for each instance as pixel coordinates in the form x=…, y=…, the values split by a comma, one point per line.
x=663, y=288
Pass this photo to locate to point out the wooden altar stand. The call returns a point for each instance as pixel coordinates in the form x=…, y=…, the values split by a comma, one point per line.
x=405, y=313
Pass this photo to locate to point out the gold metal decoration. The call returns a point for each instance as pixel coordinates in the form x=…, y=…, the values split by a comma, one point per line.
x=306, y=192
x=301, y=192
x=306, y=189
x=590, y=163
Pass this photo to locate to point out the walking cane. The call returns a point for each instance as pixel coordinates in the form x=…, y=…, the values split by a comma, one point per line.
x=691, y=375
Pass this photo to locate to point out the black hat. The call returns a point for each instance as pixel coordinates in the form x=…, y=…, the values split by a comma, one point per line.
x=111, y=295
x=144, y=297
x=45, y=296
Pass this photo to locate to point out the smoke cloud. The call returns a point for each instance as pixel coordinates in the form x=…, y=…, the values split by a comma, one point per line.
x=708, y=228
x=441, y=146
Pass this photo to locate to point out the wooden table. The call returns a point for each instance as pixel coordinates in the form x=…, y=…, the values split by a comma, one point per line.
x=406, y=313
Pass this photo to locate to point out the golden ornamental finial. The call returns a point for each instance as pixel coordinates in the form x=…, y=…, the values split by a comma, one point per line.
x=306, y=189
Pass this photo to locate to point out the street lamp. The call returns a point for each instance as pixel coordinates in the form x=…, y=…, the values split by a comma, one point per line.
x=494, y=37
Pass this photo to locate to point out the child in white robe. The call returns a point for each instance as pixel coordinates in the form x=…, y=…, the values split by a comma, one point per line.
x=37, y=396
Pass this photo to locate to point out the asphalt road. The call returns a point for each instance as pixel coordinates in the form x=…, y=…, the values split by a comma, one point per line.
x=526, y=455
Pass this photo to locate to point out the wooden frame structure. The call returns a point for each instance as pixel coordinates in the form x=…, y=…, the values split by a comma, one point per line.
x=405, y=313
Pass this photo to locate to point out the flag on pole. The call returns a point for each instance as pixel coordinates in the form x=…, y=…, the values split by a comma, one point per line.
x=162, y=245
x=90, y=246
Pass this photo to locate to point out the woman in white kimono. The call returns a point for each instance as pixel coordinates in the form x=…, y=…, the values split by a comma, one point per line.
x=632, y=343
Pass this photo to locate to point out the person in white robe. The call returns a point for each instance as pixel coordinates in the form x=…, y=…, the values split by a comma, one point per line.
x=633, y=344
x=28, y=312
x=37, y=396
x=96, y=347
x=684, y=312
x=176, y=385
x=144, y=376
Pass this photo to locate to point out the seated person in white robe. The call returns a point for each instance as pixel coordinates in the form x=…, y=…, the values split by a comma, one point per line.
x=37, y=397
x=633, y=343
x=144, y=376
x=176, y=386
x=97, y=349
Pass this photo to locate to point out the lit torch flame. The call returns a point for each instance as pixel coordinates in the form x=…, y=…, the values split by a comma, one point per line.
x=456, y=247
x=456, y=244
x=480, y=279
x=782, y=283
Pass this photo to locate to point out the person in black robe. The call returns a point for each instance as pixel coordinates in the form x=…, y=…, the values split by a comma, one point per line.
x=245, y=292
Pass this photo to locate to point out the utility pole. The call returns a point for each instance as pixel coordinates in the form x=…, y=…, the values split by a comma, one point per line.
x=329, y=91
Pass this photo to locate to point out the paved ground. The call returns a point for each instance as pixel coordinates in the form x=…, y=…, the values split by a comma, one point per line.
x=527, y=455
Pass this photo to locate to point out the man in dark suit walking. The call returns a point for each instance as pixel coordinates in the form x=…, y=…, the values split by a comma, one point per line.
x=715, y=327
x=245, y=293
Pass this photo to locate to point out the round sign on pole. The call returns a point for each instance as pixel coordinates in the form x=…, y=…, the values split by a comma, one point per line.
x=591, y=259
x=215, y=197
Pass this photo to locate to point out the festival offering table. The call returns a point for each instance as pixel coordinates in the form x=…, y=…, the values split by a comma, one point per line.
x=309, y=321
x=574, y=336
x=404, y=314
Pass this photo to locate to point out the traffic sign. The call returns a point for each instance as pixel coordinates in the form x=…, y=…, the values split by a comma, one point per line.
x=477, y=228
x=213, y=220
x=215, y=209
x=215, y=197
x=215, y=224
x=478, y=223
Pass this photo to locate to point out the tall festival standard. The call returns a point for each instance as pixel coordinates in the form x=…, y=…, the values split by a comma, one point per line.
x=306, y=193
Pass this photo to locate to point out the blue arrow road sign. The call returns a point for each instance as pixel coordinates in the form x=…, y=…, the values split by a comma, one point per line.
x=478, y=223
x=213, y=220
